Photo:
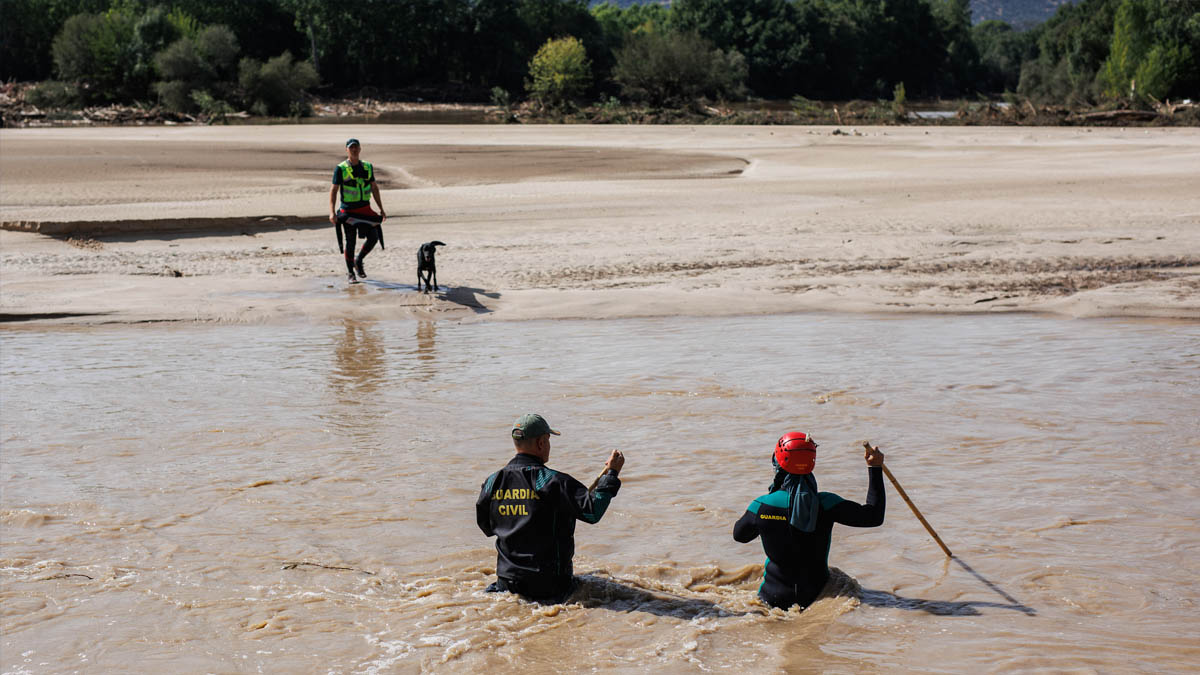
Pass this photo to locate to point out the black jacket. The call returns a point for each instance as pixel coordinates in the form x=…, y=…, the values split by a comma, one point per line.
x=532, y=511
x=797, y=564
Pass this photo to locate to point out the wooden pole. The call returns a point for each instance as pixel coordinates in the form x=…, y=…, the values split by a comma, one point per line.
x=904, y=495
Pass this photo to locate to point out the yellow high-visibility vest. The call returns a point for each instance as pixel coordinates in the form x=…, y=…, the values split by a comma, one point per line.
x=356, y=189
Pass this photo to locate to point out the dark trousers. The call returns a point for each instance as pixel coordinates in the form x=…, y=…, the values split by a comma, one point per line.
x=369, y=239
x=785, y=597
x=552, y=594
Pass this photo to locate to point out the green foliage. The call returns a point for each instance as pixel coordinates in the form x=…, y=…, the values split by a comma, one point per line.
x=390, y=44
x=185, y=24
x=97, y=52
x=806, y=108
x=617, y=23
x=785, y=44
x=205, y=62
x=960, y=68
x=213, y=108
x=112, y=50
x=1108, y=49
x=677, y=68
x=501, y=98
x=152, y=33
x=899, y=98
x=263, y=28
x=889, y=42
x=277, y=87
x=1071, y=47
x=1138, y=67
x=53, y=94
x=1002, y=50
x=25, y=26
x=559, y=73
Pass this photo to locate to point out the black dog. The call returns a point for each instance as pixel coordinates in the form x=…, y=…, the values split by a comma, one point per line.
x=426, y=264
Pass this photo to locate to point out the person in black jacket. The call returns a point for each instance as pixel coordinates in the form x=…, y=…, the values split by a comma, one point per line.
x=795, y=521
x=532, y=511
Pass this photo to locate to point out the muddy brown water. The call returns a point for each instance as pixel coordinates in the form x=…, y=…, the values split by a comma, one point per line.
x=299, y=498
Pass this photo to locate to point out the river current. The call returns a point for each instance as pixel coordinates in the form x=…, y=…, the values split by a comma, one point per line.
x=299, y=498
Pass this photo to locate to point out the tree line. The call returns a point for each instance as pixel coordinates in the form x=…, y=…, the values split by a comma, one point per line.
x=262, y=55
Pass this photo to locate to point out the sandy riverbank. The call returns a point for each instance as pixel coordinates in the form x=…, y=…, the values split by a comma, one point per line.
x=228, y=223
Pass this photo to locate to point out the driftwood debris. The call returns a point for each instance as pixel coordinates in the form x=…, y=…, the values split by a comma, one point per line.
x=303, y=563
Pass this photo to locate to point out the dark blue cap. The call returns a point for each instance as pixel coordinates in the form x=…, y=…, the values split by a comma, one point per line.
x=352, y=141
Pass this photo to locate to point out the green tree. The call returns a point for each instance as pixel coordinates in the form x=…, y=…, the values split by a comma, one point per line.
x=385, y=44
x=1141, y=64
x=889, y=42
x=503, y=35
x=1071, y=47
x=961, y=69
x=617, y=23
x=1002, y=50
x=559, y=73
x=676, y=68
x=276, y=87
x=264, y=28
x=96, y=51
x=785, y=43
x=25, y=54
x=206, y=62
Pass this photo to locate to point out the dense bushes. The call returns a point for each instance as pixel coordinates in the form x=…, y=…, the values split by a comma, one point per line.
x=168, y=55
x=276, y=87
x=204, y=63
x=1139, y=66
x=1091, y=51
x=97, y=52
x=1002, y=50
x=676, y=68
x=1129, y=50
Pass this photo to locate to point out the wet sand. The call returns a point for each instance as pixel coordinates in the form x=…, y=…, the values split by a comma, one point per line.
x=228, y=224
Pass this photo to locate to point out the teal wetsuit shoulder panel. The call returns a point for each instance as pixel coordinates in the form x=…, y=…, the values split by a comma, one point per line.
x=829, y=500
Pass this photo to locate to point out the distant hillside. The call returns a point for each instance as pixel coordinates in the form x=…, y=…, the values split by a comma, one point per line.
x=1019, y=13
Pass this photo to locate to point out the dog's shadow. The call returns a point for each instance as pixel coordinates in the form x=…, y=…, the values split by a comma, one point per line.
x=467, y=297
x=459, y=295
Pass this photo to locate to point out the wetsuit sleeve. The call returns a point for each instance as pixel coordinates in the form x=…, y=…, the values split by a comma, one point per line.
x=862, y=515
x=589, y=506
x=746, y=528
x=483, y=506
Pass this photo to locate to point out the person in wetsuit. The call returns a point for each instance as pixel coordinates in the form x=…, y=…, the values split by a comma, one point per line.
x=532, y=510
x=795, y=521
x=354, y=182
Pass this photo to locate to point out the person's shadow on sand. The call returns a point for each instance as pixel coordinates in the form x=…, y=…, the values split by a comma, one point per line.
x=876, y=598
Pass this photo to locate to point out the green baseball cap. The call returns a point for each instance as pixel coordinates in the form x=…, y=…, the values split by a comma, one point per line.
x=531, y=425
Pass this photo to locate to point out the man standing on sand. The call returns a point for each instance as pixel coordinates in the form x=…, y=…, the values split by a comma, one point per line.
x=356, y=180
x=795, y=521
x=532, y=511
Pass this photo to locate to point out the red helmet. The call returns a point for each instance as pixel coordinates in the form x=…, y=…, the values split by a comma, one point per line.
x=796, y=452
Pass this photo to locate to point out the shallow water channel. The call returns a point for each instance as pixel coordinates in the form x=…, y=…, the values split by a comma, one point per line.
x=299, y=498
